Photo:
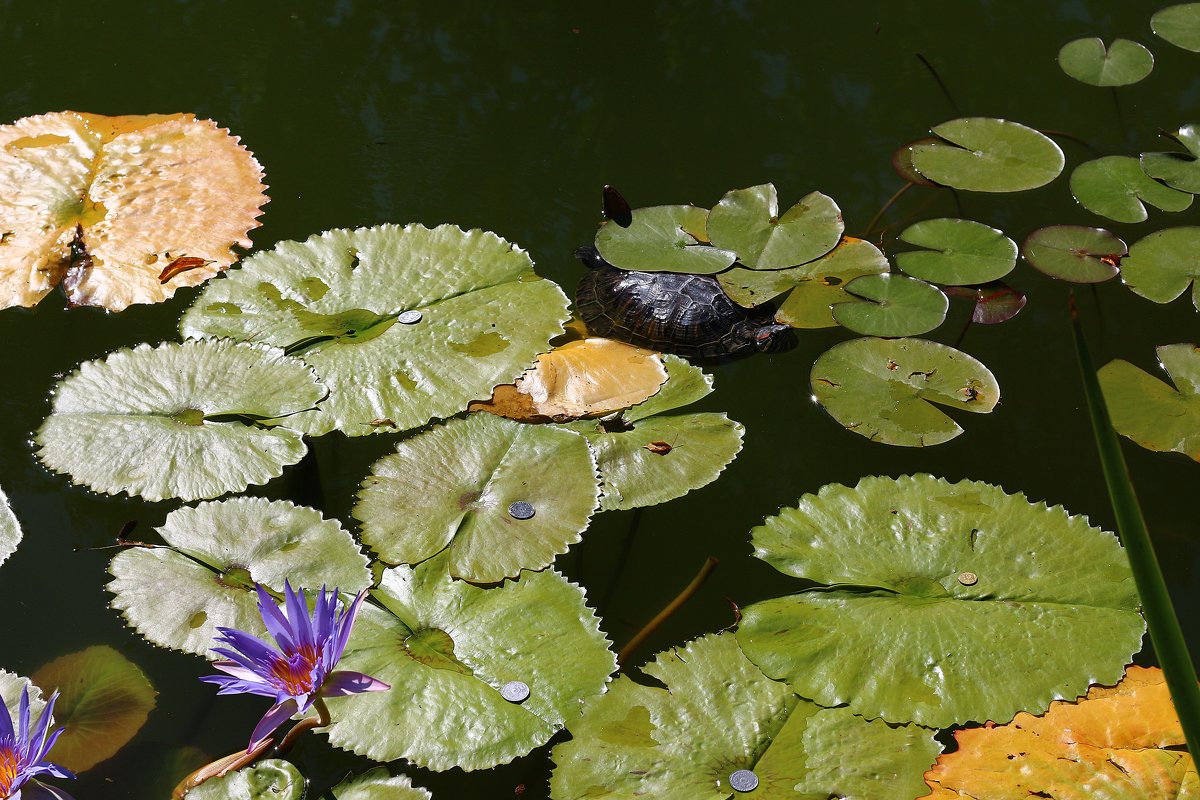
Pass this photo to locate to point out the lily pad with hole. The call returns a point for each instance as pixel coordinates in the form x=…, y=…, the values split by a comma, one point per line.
x=378, y=784
x=717, y=715
x=891, y=305
x=1161, y=266
x=403, y=325
x=1116, y=187
x=982, y=154
x=447, y=647
x=270, y=779
x=192, y=420
x=1177, y=170
x=747, y=222
x=452, y=490
x=995, y=302
x=889, y=390
x=120, y=210
x=1179, y=25
x=958, y=252
x=663, y=239
x=176, y=596
x=10, y=529
x=1149, y=411
x=1120, y=64
x=940, y=603
x=1075, y=253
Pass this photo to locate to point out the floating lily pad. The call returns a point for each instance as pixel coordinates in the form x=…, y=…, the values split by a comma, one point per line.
x=10, y=529
x=663, y=239
x=1161, y=266
x=110, y=206
x=178, y=420
x=982, y=154
x=272, y=779
x=177, y=596
x=885, y=389
x=1117, y=188
x=1075, y=253
x=1149, y=411
x=891, y=305
x=650, y=456
x=1087, y=60
x=959, y=252
x=377, y=784
x=105, y=700
x=452, y=489
x=402, y=324
x=1179, y=25
x=1177, y=170
x=747, y=221
x=902, y=162
x=447, y=647
x=945, y=602
x=995, y=302
x=719, y=714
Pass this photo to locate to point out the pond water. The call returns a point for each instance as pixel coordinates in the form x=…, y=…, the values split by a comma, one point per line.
x=510, y=118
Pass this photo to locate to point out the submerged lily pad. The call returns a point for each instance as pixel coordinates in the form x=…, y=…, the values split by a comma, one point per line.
x=176, y=596
x=447, y=647
x=941, y=603
x=885, y=389
x=105, y=700
x=451, y=490
x=959, y=252
x=891, y=305
x=1179, y=25
x=1075, y=253
x=663, y=239
x=271, y=779
x=995, y=302
x=10, y=529
x=1087, y=60
x=1149, y=411
x=1161, y=266
x=719, y=714
x=1116, y=187
x=982, y=154
x=377, y=784
x=747, y=222
x=110, y=206
x=178, y=420
x=402, y=324
x=1177, y=170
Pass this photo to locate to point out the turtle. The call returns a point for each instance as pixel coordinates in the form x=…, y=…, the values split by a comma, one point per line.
x=672, y=312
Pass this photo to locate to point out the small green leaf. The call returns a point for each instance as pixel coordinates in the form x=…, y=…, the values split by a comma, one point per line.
x=272, y=779
x=1075, y=253
x=1179, y=25
x=1161, y=266
x=982, y=154
x=10, y=529
x=663, y=239
x=885, y=389
x=1177, y=170
x=377, y=784
x=1116, y=187
x=959, y=252
x=747, y=221
x=1152, y=413
x=891, y=305
x=1088, y=61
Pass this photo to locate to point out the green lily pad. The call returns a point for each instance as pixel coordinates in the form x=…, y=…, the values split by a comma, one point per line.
x=885, y=389
x=476, y=317
x=447, y=647
x=1117, y=188
x=176, y=596
x=178, y=420
x=941, y=603
x=272, y=779
x=891, y=305
x=10, y=529
x=1177, y=170
x=378, y=784
x=1179, y=25
x=653, y=456
x=1088, y=61
x=982, y=154
x=105, y=700
x=1149, y=411
x=452, y=489
x=903, y=165
x=719, y=714
x=959, y=252
x=663, y=239
x=747, y=221
x=995, y=302
x=1075, y=253
x=1161, y=266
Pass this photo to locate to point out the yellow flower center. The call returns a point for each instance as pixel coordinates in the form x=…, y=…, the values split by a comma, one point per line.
x=8, y=770
x=294, y=672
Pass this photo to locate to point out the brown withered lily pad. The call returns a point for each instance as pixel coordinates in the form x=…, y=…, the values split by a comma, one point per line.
x=120, y=210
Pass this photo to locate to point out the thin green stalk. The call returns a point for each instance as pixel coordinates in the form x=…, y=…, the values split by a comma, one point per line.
x=1160, y=615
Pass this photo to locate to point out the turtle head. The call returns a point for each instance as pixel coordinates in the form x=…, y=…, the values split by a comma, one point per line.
x=773, y=337
x=591, y=257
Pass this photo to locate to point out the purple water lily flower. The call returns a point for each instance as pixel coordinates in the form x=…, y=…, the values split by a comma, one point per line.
x=301, y=670
x=22, y=754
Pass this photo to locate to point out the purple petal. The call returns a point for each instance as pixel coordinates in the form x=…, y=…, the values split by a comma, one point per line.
x=23, y=726
x=7, y=734
x=325, y=615
x=38, y=747
x=251, y=648
x=273, y=618
x=237, y=670
x=230, y=685
x=345, y=682
x=345, y=623
x=298, y=619
x=276, y=715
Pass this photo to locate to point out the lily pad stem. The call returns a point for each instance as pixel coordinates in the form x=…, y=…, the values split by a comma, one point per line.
x=883, y=210
x=709, y=565
x=306, y=724
x=221, y=767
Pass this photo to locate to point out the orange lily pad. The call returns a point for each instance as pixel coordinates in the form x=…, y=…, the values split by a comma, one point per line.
x=120, y=210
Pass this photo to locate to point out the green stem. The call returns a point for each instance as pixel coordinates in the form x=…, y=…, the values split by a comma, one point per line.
x=1161, y=620
x=306, y=724
x=628, y=650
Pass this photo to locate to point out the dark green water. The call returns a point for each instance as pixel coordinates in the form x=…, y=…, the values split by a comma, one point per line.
x=510, y=118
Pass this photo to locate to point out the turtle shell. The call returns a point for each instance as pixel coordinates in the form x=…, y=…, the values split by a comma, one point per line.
x=671, y=312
